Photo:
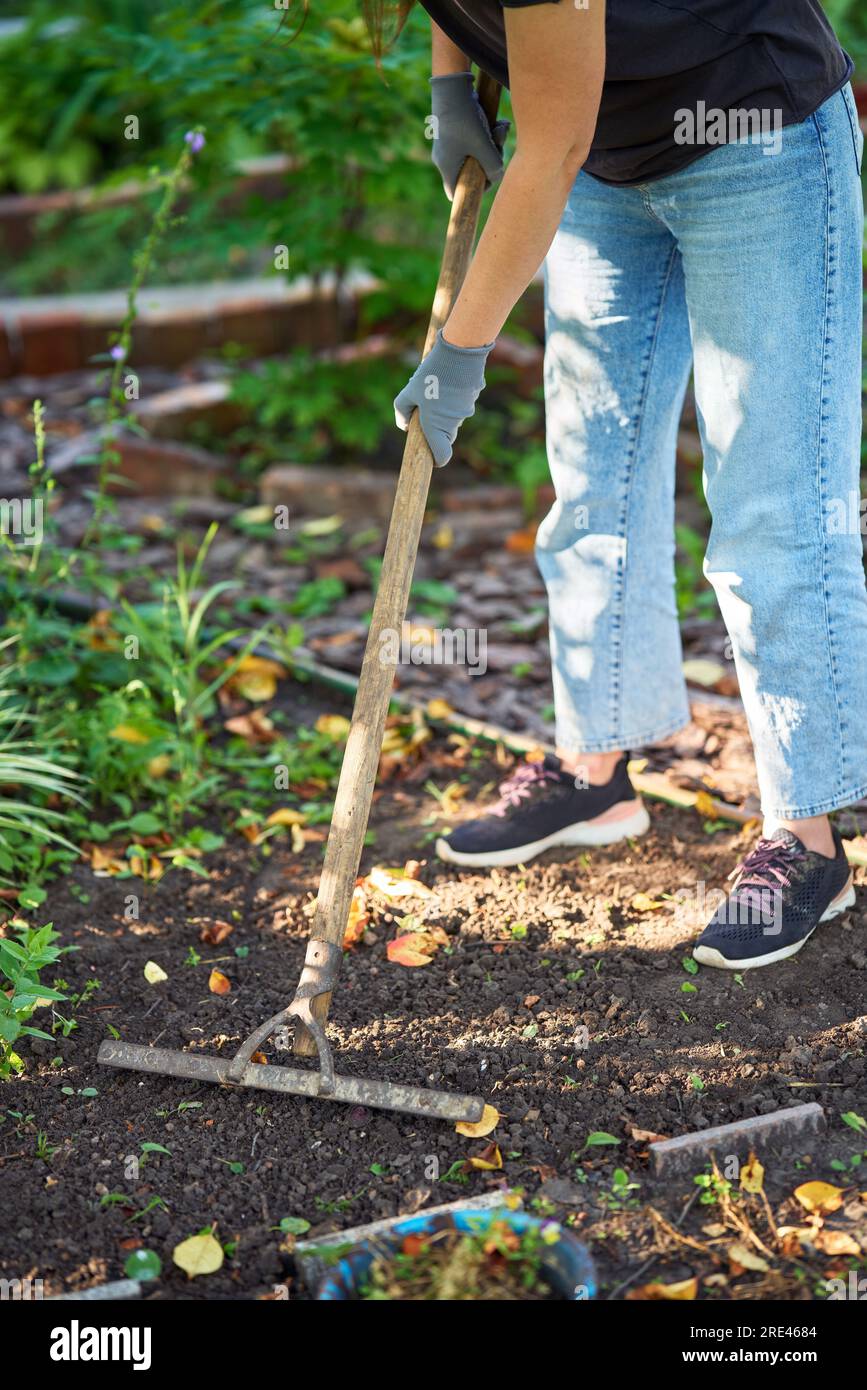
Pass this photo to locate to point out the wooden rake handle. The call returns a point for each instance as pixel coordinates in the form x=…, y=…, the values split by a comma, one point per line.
x=364, y=742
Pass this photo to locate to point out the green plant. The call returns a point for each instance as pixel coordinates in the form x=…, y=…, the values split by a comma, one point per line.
x=21, y=962
x=176, y=652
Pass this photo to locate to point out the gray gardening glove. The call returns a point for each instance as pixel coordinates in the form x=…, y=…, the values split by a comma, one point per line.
x=462, y=129
x=444, y=389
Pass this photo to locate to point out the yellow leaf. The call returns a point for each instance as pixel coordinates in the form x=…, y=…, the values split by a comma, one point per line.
x=358, y=918
x=286, y=816
x=443, y=538
x=742, y=1257
x=819, y=1196
x=198, y=1255
x=104, y=863
x=128, y=733
x=218, y=983
x=439, y=709
x=336, y=726
x=489, y=1160
x=685, y=1291
x=394, y=884
x=159, y=766
x=752, y=1175
x=154, y=974
x=490, y=1119
x=255, y=678
x=298, y=841
x=704, y=805
x=642, y=903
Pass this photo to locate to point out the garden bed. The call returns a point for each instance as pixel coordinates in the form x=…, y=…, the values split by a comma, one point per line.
x=559, y=998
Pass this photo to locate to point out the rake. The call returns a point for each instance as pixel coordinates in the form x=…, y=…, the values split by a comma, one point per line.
x=308, y=1011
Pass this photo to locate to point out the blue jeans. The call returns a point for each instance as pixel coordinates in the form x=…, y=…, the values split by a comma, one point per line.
x=746, y=268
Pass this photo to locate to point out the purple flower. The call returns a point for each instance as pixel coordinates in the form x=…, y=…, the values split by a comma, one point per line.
x=118, y=352
x=196, y=140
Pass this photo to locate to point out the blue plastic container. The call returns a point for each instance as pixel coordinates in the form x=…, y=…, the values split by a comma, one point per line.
x=567, y=1265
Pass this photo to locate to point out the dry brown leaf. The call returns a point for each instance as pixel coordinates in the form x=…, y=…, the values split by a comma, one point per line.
x=646, y=1136
x=212, y=933
x=254, y=728
x=837, y=1243
x=218, y=983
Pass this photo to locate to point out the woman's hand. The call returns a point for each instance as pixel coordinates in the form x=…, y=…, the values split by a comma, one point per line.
x=461, y=129
x=444, y=389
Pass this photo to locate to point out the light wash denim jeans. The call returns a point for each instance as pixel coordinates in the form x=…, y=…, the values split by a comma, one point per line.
x=745, y=266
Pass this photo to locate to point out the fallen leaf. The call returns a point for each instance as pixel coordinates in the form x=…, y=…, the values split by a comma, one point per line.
x=752, y=1175
x=413, y=1245
x=296, y=834
x=642, y=903
x=477, y=1130
x=685, y=1291
x=255, y=678
x=647, y=1136
x=218, y=983
x=714, y=1229
x=704, y=805
x=392, y=883
x=128, y=733
x=530, y=1000
x=358, y=918
x=411, y=949
x=741, y=1258
x=488, y=1160
x=105, y=863
x=335, y=726
x=212, y=933
x=286, y=816
x=254, y=728
x=522, y=542
x=701, y=671
x=836, y=1243
x=198, y=1255
x=154, y=974
x=819, y=1196
x=439, y=709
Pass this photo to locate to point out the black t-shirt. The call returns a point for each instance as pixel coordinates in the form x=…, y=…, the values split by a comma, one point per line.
x=778, y=57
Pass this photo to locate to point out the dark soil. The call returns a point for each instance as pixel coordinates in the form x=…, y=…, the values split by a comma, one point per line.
x=536, y=956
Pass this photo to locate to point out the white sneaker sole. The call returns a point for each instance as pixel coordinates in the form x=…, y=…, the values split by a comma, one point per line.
x=586, y=833
x=709, y=955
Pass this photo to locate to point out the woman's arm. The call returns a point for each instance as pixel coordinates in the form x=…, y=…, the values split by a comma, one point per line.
x=556, y=70
x=446, y=57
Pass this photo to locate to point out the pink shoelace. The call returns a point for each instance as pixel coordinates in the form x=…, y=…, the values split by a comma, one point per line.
x=519, y=786
x=763, y=867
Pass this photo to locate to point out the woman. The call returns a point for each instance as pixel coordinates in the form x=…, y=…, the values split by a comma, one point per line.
x=690, y=175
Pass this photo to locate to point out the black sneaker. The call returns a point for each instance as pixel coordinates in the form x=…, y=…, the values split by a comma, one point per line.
x=781, y=894
x=541, y=806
